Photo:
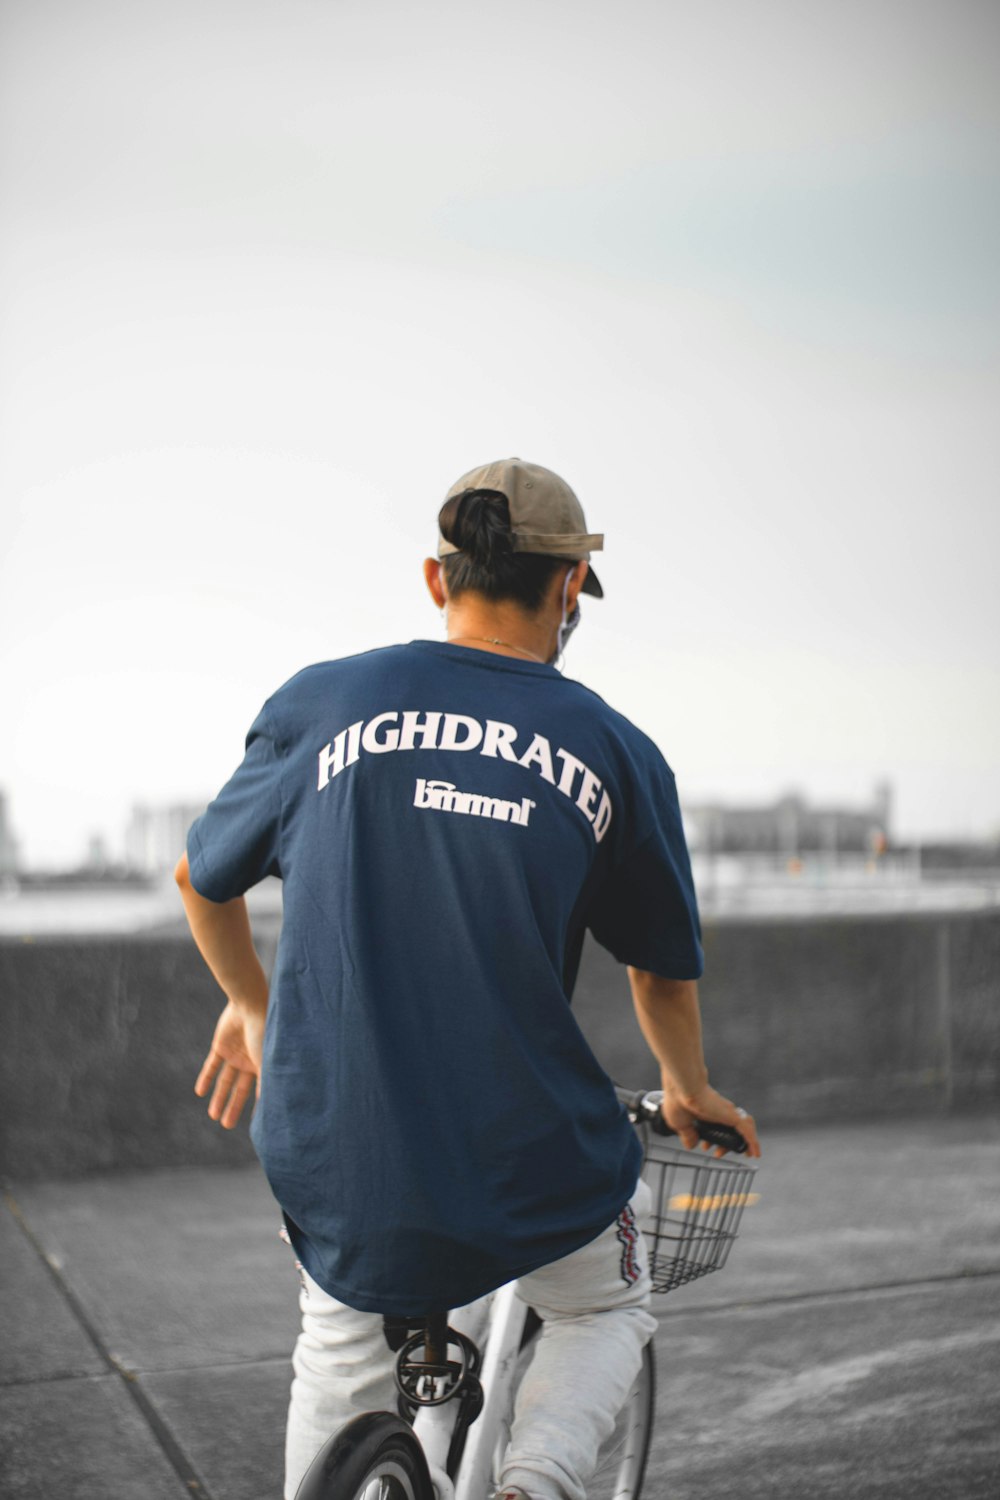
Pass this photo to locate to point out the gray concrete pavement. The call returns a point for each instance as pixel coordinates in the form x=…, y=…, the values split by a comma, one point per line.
x=851, y=1345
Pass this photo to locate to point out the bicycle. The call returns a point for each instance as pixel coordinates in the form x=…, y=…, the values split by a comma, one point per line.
x=457, y=1380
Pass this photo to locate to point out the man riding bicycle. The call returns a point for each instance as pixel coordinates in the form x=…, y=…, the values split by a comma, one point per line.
x=448, y=819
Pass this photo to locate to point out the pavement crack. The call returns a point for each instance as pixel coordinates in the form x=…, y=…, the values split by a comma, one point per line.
x=828, y=1294
x=185, y=1470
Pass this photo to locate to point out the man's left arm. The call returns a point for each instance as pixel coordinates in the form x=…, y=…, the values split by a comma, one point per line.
x=222, y=933
x=669, y=1017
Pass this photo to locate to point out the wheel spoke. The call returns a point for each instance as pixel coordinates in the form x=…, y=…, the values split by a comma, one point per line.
x=392, y=1486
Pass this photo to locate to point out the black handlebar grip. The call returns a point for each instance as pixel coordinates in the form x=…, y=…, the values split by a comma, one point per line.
x=708, y=1130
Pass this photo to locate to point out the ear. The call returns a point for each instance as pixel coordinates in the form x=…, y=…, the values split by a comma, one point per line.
x=434, y=578
x=576, y=578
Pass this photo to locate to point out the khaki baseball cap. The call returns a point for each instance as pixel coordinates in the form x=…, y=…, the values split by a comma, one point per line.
x=545, y=515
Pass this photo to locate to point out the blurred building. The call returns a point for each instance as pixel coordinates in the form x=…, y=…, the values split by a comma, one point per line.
x=9, y=852
x=97, y=861
x=156, y=836
x=790, y=827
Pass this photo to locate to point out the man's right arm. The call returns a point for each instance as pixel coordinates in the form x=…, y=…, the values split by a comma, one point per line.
x=222, y=932
x=670, y=1020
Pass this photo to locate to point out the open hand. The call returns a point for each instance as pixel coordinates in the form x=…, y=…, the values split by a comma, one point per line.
x=233, y=1062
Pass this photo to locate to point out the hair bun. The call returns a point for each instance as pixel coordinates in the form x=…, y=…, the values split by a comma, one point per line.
x=480, y=527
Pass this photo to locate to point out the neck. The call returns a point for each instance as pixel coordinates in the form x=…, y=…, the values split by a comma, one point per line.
x=504, y=632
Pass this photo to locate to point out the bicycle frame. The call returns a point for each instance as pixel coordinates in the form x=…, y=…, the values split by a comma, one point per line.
x=460, y=1410
x=499, y=1320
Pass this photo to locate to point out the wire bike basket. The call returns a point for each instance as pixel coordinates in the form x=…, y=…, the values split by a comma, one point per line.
x=698, y=1202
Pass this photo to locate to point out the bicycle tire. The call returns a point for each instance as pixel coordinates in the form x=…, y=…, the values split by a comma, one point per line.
x=374, y=1457
x=622, y=1458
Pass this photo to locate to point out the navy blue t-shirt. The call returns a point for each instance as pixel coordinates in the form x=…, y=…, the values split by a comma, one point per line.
x=447, y=823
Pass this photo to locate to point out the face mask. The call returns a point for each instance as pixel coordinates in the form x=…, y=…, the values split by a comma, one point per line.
x=569, y=623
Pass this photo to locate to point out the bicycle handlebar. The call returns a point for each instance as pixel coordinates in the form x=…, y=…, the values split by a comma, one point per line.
x=644, y=1107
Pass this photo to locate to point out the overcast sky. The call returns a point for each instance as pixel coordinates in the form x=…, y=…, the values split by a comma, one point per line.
x=272, y=275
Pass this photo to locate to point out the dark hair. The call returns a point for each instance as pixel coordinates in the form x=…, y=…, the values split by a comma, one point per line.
x=478, y=523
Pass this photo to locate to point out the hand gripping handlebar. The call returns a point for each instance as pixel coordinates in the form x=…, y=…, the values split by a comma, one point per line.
x=644, y=1108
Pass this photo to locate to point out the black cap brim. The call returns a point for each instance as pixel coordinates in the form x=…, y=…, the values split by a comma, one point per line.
x=592, y=584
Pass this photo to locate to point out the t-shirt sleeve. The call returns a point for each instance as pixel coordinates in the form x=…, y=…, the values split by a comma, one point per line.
x=646, y=912
x=235, y=842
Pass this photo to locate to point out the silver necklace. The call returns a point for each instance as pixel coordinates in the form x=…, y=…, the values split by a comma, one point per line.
x=492, y=640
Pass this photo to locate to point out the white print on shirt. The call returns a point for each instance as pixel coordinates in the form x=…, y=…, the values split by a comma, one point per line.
x=413, y=730
x=441, y=796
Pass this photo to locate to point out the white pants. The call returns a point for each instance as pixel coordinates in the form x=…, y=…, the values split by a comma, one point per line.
x=595, y=1307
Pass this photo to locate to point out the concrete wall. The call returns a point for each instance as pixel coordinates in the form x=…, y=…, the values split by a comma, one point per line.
x=102, y=1038
x=816, y=1018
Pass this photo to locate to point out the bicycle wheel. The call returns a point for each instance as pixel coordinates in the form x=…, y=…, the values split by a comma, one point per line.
x=375, y=1457
x=621, y=1460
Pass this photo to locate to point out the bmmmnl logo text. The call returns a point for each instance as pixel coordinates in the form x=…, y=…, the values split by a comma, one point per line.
x=413, y=730
x=441, y=796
